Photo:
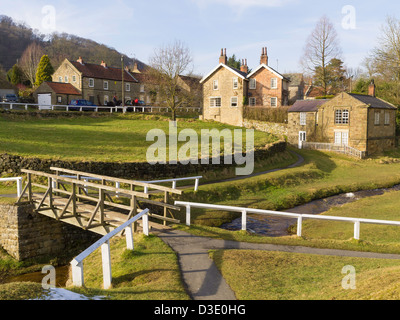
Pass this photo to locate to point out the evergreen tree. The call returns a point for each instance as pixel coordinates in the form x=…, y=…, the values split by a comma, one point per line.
x=44, y=71
x=15, y=75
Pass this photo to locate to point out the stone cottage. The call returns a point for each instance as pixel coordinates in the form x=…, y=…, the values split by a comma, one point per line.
x=363, y=122
x=226, y=90
x=52, y=93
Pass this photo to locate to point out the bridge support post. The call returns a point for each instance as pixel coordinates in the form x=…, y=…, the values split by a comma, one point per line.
x=129, y=238
x=77, y=275
x=300, y=226
x=244, y=220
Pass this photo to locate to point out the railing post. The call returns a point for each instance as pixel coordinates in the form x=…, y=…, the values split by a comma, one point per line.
x=19, y=187
x=145, y=219
x=117, y=185
x=174, y=184
x=106, y=261
x=74, y=199
x=196, y=186
x=77, y=274
x=357, y=230
x=129, y=238
x=30, y=197
x=299, y=226
x=188, y=216
x=244, y=220
x=102, y=197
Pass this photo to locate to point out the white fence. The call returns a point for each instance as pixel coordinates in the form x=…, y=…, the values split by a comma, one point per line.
x=300, y=217
x=333, y=147
x=18, y=180
x=104, y=243
x=174, y=181
x=110, y=109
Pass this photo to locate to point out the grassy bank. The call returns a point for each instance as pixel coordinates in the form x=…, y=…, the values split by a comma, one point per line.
x=291, y=276
x=117, y=138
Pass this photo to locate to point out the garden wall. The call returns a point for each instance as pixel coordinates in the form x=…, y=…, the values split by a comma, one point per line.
x=12, y=165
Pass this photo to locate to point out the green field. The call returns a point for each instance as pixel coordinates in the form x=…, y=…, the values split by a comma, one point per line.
x=117, y=138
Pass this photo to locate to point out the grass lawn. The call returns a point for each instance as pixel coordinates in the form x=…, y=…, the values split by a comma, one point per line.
x=150, y=272
x=115, y=138
x=292, y=276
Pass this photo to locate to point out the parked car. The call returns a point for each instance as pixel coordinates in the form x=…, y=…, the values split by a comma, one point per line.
x=10, y=98
x=75, y=105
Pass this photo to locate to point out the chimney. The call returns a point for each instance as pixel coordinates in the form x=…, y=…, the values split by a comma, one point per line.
x=223, y=59
x=372, y=88
x=103, y=64
x=80, y=60
x=264, y=56
x=244, y=68
x=135, y=68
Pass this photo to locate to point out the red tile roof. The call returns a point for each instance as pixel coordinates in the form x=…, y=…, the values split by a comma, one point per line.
x=63, y=88
x=90, y=70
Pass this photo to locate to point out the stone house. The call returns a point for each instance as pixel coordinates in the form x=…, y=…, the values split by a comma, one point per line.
x=226, y=90
x=296, y=87
x=97, y=83
x=363, y=122
x=52, y=93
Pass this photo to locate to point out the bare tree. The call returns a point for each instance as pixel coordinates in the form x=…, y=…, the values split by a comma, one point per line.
x=386, y=56
x=168, y=63
x=30, y=60
x=322, y=46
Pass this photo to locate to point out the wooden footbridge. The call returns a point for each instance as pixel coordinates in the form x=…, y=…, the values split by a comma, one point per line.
x=96, y=203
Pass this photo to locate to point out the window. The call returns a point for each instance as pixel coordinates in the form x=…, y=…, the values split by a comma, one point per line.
x=235, y=83
x=127, y=87
x=303, y=118
x=252, y=102
x=342, y=138
x=342, y=117
x=91, y=83
x=234, y=101
x=106, y=100
x=59, y=79
x=274, y=83
x=387, y=118
x=274, y=102
x=73, y=78
x=215, y=102
x=253, y=84
x=215, y=84
x=66, y=79
x=105, y=85
x=377, y=118
x=142, y=88
x=59, y=99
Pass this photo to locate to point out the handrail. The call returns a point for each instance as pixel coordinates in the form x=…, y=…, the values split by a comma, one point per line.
x=175, y=180
x=19, y=184
x=118, y=180
x=333, y=147
x=104, y=242
x=299, y=217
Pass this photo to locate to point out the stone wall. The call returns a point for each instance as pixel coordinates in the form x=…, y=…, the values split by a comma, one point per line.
x=277, y=129
x=25, y=234
x=12, y=165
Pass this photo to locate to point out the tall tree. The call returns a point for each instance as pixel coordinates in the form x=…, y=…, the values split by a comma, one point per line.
x=322, y=46
x=15, y=75
x=45, y=71
x=29, y=61
x=167, y=64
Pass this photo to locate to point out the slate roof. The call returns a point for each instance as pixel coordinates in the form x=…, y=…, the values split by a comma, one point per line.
x=63, y=88
x=373, y=102
x=307, y=105
x=90, y=70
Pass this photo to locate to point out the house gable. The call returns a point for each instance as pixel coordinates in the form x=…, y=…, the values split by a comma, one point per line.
x=221, y=65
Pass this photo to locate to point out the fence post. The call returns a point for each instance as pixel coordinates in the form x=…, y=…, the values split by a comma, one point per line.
x=145, y=219
x=188, y=216
x=299, y=226
x=174, y=184
x=19, y=187
x=106, y=260
x=77, y=274
x=244, y=220
x=357, y=230
x=196, y=186
x=129, y=238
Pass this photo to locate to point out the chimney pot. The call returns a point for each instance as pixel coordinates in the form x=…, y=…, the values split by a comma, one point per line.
x=372, y=89
x=264, y=56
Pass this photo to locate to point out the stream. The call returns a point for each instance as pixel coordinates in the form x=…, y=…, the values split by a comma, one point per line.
x=274, y=226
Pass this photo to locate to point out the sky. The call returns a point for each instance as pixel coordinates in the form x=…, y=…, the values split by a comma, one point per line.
x=243, y=27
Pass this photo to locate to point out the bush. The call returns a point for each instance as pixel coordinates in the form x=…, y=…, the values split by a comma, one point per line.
x=276, y=115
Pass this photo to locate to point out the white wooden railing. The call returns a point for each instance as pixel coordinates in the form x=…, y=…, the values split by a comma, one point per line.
x=18, y=180
x=174, y=181
x=111, y=109
x=300, y=217
x=333, y=147
x=104, y=243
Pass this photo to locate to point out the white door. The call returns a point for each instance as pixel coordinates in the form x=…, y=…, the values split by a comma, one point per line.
x=44, y=101
x=342, y=138
x=302, y=138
